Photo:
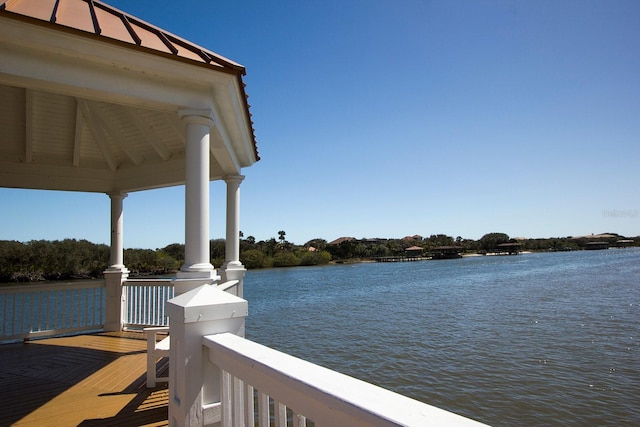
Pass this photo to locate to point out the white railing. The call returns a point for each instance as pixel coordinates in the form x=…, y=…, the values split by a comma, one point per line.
x=38, y=310
x=259, y=383
x=231, y=286
x=145, y=302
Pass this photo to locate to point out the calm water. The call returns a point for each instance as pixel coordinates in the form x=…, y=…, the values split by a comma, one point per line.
x=528, y=340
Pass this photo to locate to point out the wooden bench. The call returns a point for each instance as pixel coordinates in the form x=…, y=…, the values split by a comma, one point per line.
x=155, y=351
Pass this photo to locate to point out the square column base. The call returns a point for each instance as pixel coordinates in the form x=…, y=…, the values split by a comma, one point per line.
x=114, y=279
x=186, y=281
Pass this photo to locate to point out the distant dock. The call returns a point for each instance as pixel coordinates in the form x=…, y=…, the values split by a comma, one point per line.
x=400, y=258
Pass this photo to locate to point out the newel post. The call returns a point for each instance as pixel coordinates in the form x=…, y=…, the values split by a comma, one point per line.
x=194, y=383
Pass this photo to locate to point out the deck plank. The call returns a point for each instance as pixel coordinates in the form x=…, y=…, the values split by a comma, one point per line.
x=86, y=380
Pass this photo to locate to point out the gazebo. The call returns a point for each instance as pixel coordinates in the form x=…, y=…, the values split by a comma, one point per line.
x=95, y=100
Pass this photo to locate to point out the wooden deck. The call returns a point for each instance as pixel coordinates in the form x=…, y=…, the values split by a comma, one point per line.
x=85, y=380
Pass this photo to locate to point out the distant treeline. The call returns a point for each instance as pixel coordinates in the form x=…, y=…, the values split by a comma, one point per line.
x=75, y=259
x=348, y=248
x=80, y=259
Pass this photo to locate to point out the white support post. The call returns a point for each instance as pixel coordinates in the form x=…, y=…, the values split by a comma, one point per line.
x=233, y=269
x=116, y=274
x=194, y=382
x=197, y=268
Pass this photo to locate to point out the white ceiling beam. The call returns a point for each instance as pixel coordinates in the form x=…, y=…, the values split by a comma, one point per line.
x=50, y=177
x=98, y=132
x=116, y=133
x=77, y=136
x=28, y=126
x=176, y=123
x=149, y=134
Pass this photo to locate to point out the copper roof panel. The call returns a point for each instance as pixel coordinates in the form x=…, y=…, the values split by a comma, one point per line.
x=149, y=39
x=185, y=53
x=40, y=9
x=74, y=14
x=113, y=26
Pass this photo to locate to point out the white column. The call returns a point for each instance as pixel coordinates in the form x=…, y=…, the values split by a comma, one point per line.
x=233, y=269
x=117, y=228
x=197, y=266
x=116, y=274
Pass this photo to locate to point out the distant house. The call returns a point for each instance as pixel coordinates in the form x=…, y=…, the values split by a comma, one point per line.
x=374, y=241
x=447, y=252
x=413, y=252
x=416, y=237
x=340, y=240
x=624, y=243
x=594, y=246
x=510, y=248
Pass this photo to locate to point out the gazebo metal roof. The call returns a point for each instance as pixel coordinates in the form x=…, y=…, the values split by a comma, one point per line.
x=90, y=99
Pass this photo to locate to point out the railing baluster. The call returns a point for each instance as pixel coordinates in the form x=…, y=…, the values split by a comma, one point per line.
x=163, y=299
x=299, y=420
x=263, y=410
x=139, y=297
x=133, y=306
x=71, y=296
x=136, y=311
x=101, y=295
x=127, y=305
x=227, y=400
x=86, y=305
x=75, y=320
x=66, y=299
x=280, y=414
x=152, y=304
x=15, y=314
x=4, y=314
x=238, y=402
x=157, y=290
x=149, y=304
x=24, y=313
x=38, y=310
x=142, y=298
x=159, y=302
x=249, y=405
x=48, y=310
x=31, y=303
x=55, y=310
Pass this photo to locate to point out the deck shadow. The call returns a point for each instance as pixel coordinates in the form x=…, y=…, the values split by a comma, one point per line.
x=73, y=377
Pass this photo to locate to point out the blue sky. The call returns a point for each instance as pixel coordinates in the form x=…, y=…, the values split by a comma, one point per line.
x=387, y=118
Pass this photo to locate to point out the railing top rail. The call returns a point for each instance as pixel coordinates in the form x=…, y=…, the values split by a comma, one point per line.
x=228, y=285
x=149, y=282
x=321, y=394
x=39, y=287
